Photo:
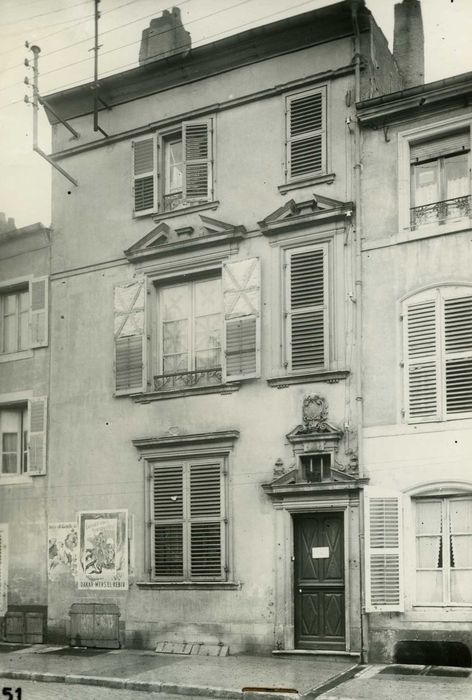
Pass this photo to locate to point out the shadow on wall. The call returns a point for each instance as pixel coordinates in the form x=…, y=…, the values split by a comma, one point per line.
x=433, y=653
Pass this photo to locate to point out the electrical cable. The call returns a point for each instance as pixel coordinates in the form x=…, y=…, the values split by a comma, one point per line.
x=44, y=14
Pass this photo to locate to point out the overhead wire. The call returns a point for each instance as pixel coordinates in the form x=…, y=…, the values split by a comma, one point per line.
x=44, y=14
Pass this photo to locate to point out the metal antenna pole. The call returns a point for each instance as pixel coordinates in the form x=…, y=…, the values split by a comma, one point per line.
x=96, y=99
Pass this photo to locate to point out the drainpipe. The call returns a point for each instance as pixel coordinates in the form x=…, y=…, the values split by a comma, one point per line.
x=355, y=4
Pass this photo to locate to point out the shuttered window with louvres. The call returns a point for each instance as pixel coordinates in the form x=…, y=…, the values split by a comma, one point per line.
x=144, y=174
x=188, y=502
x=438, y=352
x=197, y=164
x=307, y=312
x=306, y=134
x=383, y=552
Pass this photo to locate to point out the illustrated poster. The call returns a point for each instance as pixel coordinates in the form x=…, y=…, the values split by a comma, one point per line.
x=62, y=550
x=103, y=549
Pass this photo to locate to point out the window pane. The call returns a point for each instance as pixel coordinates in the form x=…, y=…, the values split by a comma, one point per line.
x=208, y=298
x=429, y=587
x=9, y=453
x=457, y=176
x=10, y=339
x=208, y=332
x=428, y=552
x=428, y=517
x=10, y=303
x=460, y=513
x=175, y=337
x=9, y=464
x=175, y=303
x=24, y=330
x=175, y=363
x=461, y=551
x=461, y=586
x=174, y=166
x=425, y=184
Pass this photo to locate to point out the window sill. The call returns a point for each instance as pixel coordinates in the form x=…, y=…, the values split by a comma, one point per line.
x=189, y=585
x=191, y=391
x=328, y=376
x=325, y=178
x=12, y=356
x=161, y=216
x=12, y=479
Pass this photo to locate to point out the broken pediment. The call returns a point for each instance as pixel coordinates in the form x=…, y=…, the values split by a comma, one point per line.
x=164, y=240
x=297, y=214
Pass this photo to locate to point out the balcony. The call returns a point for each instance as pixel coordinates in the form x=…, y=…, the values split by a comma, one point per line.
x=184, y=380
x=440, y=212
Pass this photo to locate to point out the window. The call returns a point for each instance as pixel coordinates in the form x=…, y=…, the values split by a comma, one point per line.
x=440, y=179
x=306, y=134
x=438, y=354
x=204, y=330
x=188, y=511
x=14, y=321
x=181, y=161
x=444, y=551
x=14, y=440
x=190, y=329
x=306, y=308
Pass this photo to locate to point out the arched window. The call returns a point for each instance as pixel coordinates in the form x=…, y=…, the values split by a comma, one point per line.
x=437, y=342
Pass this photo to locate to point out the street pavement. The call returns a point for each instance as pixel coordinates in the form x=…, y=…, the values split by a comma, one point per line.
x=32, y=690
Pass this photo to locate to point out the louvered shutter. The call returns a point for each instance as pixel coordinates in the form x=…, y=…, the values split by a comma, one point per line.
x=3, y=568
x=447, y=145
x=307, y=308
x=130, y=346
x=168, y=521
x=206, y=522
x=306, y=134
x=383, y=551
x=144, y=153
x=197, y=148
x=422, y=362
x=37, y=437
x=242, y=304
x=458, y=355
x=39, y=312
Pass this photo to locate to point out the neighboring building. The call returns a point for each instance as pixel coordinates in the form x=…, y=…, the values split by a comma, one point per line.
x=417, y=356
x=24, y=389
x=203, y=326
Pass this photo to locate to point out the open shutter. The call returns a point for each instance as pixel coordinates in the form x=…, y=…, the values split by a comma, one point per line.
x=306, y=134
x=37, y=436
x=242, y=304
x=197, y=149
x=307, y=308
x=422, y=357
x=383, y=551
x=144, y=165
x=129, y=302
x=39, y=312
x=3, y=568
x=458, y=355
x=206, y=522
x=168, y=510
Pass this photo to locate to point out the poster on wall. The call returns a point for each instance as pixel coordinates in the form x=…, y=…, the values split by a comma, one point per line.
x=103, y=549
x=62, y=550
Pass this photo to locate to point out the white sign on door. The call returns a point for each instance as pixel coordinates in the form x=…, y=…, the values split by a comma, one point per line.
x=320, y=552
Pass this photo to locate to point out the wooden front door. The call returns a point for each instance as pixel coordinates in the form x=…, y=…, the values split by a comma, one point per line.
x=319, y=581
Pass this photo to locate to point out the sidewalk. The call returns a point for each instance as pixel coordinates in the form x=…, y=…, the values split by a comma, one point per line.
x=205, y=676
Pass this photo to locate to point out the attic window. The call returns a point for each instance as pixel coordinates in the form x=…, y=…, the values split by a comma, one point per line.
x=316, y=467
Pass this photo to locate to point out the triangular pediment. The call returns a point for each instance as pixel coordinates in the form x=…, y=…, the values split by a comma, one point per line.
x=296, y=214
x=325, y=432
x=165, y=239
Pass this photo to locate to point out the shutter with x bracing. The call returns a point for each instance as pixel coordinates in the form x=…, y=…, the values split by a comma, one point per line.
x=37, y=437
x=197, y=147
x=306, y=134
x=242, y=306
x=130, y=345
x=144, y=166
x=3, y=568
x=383, y=551
x=39, y=312
x=206, y=522
x=422, y=360
x=458, y=355
x=307, y=308
x=168, y=521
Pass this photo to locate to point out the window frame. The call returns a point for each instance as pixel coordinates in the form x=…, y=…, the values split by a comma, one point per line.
x=323, y=131
x=445, y=536
x=22, y=443
x=438, y=294
x=405, y=140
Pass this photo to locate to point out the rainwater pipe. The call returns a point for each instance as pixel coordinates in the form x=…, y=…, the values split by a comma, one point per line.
x=355, y=4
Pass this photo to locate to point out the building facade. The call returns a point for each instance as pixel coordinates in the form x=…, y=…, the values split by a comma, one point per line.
x=417, y=386
x=204, y=362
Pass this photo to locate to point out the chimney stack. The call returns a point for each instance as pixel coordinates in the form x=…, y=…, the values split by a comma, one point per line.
x=6, y=225
x=164, y=37
x=408, y=42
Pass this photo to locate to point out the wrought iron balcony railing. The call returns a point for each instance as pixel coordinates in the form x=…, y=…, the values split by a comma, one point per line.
x=440, y=212
x=183, y=380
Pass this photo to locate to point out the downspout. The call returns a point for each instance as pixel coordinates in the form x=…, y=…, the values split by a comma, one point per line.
x=355, y=4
